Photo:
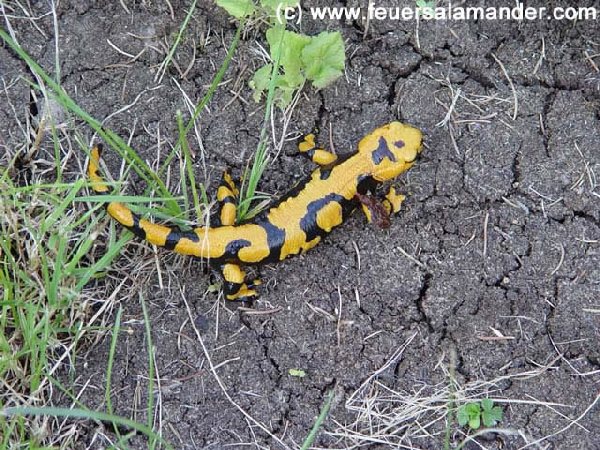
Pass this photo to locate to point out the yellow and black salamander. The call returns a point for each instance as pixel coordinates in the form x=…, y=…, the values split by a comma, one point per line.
x=294, y=223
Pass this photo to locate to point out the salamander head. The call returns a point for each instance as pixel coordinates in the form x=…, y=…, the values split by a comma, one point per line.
x=391, y=149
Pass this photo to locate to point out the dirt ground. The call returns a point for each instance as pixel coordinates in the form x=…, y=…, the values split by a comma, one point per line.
x=495, y=255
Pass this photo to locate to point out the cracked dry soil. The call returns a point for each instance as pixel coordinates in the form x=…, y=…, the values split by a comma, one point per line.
x=502, y=219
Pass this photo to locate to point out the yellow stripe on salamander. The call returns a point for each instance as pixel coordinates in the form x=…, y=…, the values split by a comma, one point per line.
x=98, y=183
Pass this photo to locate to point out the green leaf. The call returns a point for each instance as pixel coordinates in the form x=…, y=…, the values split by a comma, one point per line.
x=473, y=409
x=496, y=413
x=426, y=8
x=291, y=48
x=487, y=404
x=274, y=4
x=284, y=94
x=475, y=422
x=297, y=373
x=324, y=58
x=492, y=416
x=462, y=416
x=237, y=8
x=260, y=81
x=320, y=59
x=471, y=414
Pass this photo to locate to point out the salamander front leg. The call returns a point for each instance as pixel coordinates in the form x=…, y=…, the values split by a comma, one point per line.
x=392, y=201
x=318, y=155
x=235, y=287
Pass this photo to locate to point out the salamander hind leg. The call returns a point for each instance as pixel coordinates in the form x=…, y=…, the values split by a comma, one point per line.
x=318, y=155
x=235, y=287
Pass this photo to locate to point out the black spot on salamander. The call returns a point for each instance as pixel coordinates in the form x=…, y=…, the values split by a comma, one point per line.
x=382, y=151
x=228, y=199
x=215, y=220
x=275, y=239
x=399, y=144
x=176, y=235
x=325, y=173
x=137, y=230
x=173, y=238
x=232, y=249
x=365, y=183
x=308, y=223
x=230, y=286
x=293, y=192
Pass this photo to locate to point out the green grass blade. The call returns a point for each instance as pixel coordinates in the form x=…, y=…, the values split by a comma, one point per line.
x=83, y=414
x=67, y=102
x=81, y=248
x=164, y=66
x=109, y=366
x=313, y=432
x=186, y=158
x=64, y=204
x=113, y=250
x=217, y=80
x=260, y=158
x=57, y=271
x=207, y=96
x=150, y=365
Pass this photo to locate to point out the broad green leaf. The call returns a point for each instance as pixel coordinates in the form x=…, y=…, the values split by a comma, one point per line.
x=284, y=93
x=426, y=9
x=274, y=4
x=291, y=49
x=260, y=81
x=492, y=416
x=237, y=8
x=324, y=58
x=327, y=76
x=473, y=409
x=487, y=404
x=471, y=414
x=496, y=413
x=462, y=416
x=475, y=422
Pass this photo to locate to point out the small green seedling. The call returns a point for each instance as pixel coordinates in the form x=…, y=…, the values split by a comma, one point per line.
x=319, y=59
x=426, y=8
x=297, y=373
x=476, y=412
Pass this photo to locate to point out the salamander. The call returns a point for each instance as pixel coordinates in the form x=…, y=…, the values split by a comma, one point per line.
x=295, y=222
